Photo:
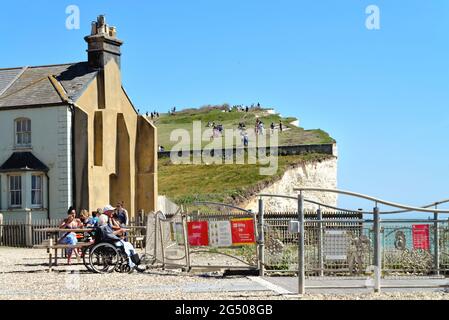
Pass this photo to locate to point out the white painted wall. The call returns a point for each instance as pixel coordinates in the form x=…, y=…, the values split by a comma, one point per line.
x=51, y=143
x=317, y=174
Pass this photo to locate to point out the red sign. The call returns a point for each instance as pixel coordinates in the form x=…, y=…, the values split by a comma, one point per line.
x=197, y=232
x=242, y=232
x=421, y=238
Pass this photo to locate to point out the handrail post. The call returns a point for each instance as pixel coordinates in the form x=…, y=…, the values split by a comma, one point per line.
x=261, y=240
x=320, y=241
x=29, y=229
x=184, y=219
x=377, y=251
x=301, y=247
x=1, y=228
x=156, y=231
x=161, y=230
x=436, y=243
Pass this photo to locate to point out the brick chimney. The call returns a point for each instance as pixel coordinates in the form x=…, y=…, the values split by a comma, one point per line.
x=103, y=44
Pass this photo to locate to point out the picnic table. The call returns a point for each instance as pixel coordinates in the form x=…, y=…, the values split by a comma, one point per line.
x=54, y=237
x=53, y=243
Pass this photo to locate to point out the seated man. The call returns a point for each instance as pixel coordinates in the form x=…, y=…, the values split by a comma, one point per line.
x=109, y=235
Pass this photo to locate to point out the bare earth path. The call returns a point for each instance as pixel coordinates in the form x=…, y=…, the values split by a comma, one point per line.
x=23, y=275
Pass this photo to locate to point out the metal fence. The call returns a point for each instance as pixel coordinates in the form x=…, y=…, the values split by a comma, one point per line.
x=377, y=247
x=331, y=247
x=328, y=243
x=405, y=252
x=338, y=244
x=346, y=248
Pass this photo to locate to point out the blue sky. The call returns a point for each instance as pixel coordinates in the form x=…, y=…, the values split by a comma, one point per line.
x=383, y=94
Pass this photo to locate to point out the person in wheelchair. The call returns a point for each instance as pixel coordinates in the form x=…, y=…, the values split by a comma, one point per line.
x=105, y=233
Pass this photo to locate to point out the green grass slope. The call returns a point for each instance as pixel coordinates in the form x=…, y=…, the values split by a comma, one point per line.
x=233, y=184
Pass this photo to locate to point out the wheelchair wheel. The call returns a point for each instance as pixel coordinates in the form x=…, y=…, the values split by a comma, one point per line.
x=86, y=254
x=104, y=258
x=121, y=266
x=125, y=268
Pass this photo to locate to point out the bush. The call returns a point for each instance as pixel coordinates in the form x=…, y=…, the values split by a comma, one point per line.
x=414, y=261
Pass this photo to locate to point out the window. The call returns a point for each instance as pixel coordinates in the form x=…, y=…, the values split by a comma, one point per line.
x=36, y=190
x=15, y=191
x=23, y=132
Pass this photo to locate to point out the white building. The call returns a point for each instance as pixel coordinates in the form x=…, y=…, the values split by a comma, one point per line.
x=35, y=147
x=70, y=136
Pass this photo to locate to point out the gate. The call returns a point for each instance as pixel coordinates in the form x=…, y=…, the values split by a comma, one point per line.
x=232, y=238
x=202, y=240
x=166, y=243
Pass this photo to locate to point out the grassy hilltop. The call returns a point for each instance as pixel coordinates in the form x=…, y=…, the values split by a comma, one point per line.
x=230, y=120
x=227, y=183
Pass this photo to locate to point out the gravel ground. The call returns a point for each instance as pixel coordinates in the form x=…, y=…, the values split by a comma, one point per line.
x=24, y=276
x=380, y=296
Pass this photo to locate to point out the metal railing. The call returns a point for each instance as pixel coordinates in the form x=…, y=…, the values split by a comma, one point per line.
x=366, y=247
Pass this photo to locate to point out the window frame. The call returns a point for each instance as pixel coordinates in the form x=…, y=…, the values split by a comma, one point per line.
x=22, y=133
x=41, y=190
x=10, y=190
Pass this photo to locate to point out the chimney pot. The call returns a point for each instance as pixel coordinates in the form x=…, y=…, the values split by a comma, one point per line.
x=103, y=44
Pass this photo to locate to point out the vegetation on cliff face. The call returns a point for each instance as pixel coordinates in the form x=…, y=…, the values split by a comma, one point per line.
x=233, y=184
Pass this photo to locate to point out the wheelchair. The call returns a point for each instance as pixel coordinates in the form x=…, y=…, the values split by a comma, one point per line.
x=105, y=257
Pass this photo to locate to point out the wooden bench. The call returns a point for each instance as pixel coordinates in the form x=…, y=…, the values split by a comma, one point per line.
x=49, y=245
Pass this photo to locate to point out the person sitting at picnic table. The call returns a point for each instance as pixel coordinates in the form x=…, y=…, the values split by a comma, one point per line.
x=71, y=222
x=110, y=235
x=87, y=219
x=96, y=215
